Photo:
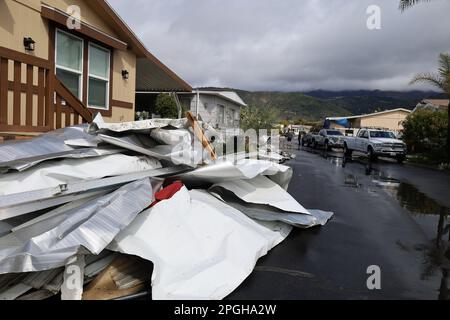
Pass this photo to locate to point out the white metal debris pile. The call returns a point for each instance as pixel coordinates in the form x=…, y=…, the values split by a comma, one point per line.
x=108, y=211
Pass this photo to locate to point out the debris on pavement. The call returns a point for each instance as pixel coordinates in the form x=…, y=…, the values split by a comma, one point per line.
x=109, y=211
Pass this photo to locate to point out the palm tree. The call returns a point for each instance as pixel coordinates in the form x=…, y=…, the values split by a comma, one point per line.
x=441, y=81
x=406, y=4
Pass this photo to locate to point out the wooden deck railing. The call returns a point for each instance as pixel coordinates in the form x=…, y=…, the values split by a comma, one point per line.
x=41, y=103
x=75, y=112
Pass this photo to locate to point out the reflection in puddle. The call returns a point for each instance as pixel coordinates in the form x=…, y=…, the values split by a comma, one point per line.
x=409, y=196
x=433, y=219
x=351, y=181
x=333, y=157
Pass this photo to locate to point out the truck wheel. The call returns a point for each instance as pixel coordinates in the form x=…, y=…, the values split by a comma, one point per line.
x=347, y=151
x=372, y=156
x=401, y=159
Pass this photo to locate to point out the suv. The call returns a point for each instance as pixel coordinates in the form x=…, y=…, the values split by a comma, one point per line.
x=309, y=139
x=329, y=138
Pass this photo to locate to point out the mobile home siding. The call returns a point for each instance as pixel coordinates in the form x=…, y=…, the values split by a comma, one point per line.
x=20, y=18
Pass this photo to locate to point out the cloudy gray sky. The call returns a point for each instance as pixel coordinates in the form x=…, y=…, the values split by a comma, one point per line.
x=291, y=45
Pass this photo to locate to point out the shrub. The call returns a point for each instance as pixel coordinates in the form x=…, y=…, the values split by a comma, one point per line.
x=166, y=107
x=425, y=130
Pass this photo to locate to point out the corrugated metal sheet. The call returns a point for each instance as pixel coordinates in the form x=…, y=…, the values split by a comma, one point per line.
x=88, y=229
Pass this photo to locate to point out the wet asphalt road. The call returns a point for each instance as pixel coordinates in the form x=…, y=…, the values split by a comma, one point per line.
x=386, y=214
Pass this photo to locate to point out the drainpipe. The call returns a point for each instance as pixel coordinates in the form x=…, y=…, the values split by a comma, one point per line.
x=197, y=104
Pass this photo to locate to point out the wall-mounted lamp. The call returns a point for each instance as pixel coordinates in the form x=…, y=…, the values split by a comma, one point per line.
x=125, y=74
x=29, y=43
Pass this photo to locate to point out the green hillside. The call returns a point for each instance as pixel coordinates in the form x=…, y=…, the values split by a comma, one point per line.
x=319, y=104
x=295, y=105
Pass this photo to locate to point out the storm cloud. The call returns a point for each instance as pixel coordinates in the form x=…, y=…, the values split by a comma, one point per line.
x=291, y=45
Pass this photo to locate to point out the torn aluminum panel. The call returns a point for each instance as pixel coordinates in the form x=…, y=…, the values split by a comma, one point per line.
x=262, y=190
x=37, y=280
x=14, y=292
x=182, y=153
x=138, y=143
x=201, y=247
x=54, y=213
x=37, y=295
x=53, y=174
x=75, y=154
x=82, y=143
x=94, y=268
x=23, y=203
x=9, y=280
x=88, y=229
x=24, y=207
x=144, y=126
x=147, y=126
x=267, y=213
x=243, y=169
x=21, y=155
x=171, y=137
x=6, y=227
x=54, y=286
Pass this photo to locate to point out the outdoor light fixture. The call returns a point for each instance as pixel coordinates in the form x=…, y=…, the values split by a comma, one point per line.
x=29, y=43
x=125, y=74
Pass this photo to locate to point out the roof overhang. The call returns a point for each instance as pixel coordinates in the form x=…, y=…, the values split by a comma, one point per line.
x=226, y=95
x=368, y=115
x=160, y=76
x=152, y=74
x=61, y=18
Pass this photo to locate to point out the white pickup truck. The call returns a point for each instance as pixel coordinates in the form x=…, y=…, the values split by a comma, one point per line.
x=376, y=143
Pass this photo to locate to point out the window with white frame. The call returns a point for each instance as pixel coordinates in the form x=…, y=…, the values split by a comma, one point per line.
x=233, y=118
x=99, y=77
x=69, y=61
x=221, y=114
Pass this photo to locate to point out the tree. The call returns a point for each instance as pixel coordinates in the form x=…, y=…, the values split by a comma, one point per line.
x=166, y=107
x=441, y=81
x=406, y=4
x=253, y=117
x=425, y=130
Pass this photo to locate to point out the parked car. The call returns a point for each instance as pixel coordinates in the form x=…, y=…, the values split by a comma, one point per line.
x=329, y=139
x=376, y=143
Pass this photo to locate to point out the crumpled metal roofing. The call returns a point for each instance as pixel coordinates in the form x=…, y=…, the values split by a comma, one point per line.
x=224, y=170
x=22, y=155
x=201, y=247
x=53, y=174
x=263, y=212
x=87, y=229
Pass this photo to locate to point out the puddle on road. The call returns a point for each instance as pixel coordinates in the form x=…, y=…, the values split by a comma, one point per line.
x=432, y=218
x=333, y=157
x=409, y=197
x=351, y=181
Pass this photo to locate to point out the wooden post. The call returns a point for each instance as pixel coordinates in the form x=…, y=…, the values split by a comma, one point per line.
x=200, y=134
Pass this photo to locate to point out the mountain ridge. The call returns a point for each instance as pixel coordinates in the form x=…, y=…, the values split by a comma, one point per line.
x=315, y=105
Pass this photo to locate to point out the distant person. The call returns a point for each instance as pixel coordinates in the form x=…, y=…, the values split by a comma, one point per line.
x=300, y=135
x=290, y=136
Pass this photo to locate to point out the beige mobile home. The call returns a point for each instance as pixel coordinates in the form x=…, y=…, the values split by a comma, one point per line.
x=63, y=61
